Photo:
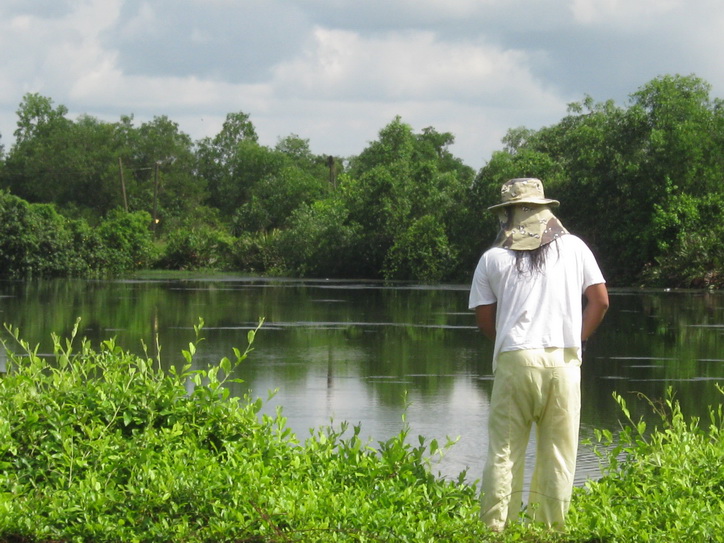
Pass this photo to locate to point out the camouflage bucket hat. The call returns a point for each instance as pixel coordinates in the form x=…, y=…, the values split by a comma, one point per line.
x=523, y=190
x=526, y=221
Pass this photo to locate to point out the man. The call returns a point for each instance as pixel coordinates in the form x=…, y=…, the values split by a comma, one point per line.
x=527, y=293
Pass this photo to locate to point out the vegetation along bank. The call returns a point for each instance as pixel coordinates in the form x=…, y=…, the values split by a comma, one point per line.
x=102, y=445
x=640, y=182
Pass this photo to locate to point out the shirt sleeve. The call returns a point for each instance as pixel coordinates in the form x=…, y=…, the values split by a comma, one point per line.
x=481, y=292
x=592, y=274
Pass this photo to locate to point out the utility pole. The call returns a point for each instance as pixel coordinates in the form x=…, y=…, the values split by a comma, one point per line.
x=332, y=177
x=123, y=184
x=155, y=197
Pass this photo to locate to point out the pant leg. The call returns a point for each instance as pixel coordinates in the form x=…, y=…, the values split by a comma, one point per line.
x=557, y=445
x=509, y=425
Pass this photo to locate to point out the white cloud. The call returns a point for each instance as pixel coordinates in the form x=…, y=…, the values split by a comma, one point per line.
x=48, y=55
x=621, y=12
x=356, y=84
x=141, y=24
x=408, y=66
x=337, y=71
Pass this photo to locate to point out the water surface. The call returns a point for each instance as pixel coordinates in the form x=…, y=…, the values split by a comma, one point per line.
x=371, y=354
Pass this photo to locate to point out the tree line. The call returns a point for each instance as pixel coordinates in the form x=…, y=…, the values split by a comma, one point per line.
x=641, y=183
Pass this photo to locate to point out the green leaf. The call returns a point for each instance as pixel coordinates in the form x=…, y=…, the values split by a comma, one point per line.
x=225, y=365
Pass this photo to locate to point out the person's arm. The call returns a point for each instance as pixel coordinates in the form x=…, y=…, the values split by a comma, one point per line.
x=485, y=317
x=596, y=307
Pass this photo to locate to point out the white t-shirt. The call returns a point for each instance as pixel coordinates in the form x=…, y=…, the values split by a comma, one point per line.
x=536, y=309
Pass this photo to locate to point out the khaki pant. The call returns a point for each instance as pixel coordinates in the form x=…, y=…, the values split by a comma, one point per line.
x=541, y=386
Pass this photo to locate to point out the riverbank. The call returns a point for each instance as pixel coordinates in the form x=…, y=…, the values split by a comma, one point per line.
x=103, y=445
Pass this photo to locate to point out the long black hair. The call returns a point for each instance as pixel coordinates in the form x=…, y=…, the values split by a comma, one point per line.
x=532, y=261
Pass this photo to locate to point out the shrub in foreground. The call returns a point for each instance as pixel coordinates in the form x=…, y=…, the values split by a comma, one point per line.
x=101, y=445
x=661, y=485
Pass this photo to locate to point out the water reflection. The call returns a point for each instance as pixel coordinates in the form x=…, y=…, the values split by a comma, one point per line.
x=357, y=351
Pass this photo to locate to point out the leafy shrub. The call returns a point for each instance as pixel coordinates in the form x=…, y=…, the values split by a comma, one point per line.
x=689, y=232
x=127, y=239
x=274, y=198
x=197, y=248
x=258, y=253
x=101, y=445
x=321, y=242
x=663, y=485
x=36, y=241
x=88, y=256
x=421, y=253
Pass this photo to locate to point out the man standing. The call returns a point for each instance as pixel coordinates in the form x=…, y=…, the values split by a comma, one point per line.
x=527, y=293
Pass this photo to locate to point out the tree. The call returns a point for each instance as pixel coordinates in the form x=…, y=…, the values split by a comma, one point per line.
x=162, y=167
x=273, y=199
x=37, y=117
x=296, y=177
x=218, y=161
x=320, y=241
x=71, y=164
x=36, y=241
x=421, y=253
x=126, y=240
x=397, y=181
x=629, y=178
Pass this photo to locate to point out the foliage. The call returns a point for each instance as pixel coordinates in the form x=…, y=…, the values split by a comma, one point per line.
x=197, y=248
x=127, y=240
x=102, y=445
x=691, y=251
x=640, y=183
x=36, y=241
x=232, y=162
x=422, y=252
x=397, y=181
x=664, y=485
x=258, y=253
x=54, y=160
x=321, y=241
x=159, y=164
x=89, y=167
x=273, y=199
x=633, y=181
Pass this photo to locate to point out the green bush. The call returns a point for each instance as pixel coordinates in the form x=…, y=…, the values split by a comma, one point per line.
x=36, y=241
x=661, y=485
x=101, y=445
x=321, y=242
x=258, y=253
x=421, y=253
x=691, y=253
x=127, y=239
x=197, y=248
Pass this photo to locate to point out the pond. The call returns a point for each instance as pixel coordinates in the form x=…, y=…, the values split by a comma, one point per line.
x=370, y=354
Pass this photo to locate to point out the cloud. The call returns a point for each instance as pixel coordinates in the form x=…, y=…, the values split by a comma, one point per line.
x=230, y=41
x=50, y=52
x=467, y=88
x=337, y=71
x=621, y=12
x=406, y=65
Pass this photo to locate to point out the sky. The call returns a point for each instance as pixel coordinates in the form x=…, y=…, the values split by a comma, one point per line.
x=335, y=72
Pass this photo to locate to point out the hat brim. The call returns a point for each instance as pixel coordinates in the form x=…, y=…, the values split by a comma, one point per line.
x=534, y=201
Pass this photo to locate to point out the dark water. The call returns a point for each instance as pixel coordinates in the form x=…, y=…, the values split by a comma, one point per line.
x=370, y=354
